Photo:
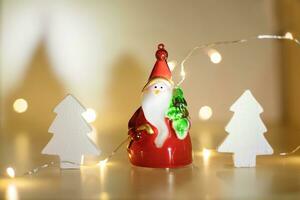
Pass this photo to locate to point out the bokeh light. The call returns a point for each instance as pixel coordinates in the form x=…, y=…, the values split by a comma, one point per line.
x=206, y=154
x=20, y=105
x=103, y=162
x=215, y=56
x=90, y=115
x=12, y=192
x=172, y=64
x=289, y=35
x=10, y=172
x=205, y=113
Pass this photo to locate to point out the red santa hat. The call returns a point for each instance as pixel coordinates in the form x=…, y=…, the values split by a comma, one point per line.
x=161, y=70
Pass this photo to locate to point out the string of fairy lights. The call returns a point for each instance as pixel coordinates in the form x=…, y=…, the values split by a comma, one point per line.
x=21, y=105
x=11, y=172
x=216, y=57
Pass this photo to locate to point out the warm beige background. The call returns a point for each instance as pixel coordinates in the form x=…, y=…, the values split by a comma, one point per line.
x=103, y=51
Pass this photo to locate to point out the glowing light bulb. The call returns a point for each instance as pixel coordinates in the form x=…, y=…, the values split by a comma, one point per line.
x=82, y=160
x=205, y=113
x=10, y=172
x=182, y=73
x=90, y=115
x=215, y=56
x=12, y=192
x=172, y=64
x=289, y=35
x=206, y=153
x=20, y=105
x=103, y=162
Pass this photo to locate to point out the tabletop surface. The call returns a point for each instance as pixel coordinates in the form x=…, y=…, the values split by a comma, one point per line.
x=211, y=176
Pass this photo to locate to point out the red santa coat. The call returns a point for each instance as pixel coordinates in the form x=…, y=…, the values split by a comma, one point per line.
x=143, y=152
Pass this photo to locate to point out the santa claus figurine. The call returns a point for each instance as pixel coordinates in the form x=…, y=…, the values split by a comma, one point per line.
x=159, y=129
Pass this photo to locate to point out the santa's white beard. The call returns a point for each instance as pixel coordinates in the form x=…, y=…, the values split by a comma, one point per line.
x=154, y=108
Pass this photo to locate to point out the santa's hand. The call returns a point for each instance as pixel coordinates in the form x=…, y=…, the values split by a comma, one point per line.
x=146, y=127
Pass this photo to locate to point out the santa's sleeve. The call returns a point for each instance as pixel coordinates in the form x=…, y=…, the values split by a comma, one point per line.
x=133, y=120
x=137, y=120
x=133, y=123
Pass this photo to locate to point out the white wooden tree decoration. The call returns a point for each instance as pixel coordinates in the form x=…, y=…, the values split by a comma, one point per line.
x=246, y=132
x=70, y=139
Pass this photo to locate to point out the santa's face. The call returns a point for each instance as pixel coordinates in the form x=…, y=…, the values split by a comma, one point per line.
x=155, y=102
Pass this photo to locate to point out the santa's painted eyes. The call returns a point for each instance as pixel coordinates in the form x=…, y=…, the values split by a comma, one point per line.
x=159, y=87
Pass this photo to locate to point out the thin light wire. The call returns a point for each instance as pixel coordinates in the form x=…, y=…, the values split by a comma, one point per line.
x=291, y=152
x=117, y=148
x=214, y=44
x=52, y=163
x=281, y=154
x=37, y=169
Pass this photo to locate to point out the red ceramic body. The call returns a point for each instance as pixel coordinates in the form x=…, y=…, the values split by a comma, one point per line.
x=143, y=152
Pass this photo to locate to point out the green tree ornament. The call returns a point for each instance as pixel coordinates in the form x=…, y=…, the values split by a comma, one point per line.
x=179, y=114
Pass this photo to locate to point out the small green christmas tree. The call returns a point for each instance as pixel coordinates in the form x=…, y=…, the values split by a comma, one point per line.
x=179, y=114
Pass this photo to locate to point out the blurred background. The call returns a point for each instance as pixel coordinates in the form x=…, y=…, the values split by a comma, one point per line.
x=103, y=51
